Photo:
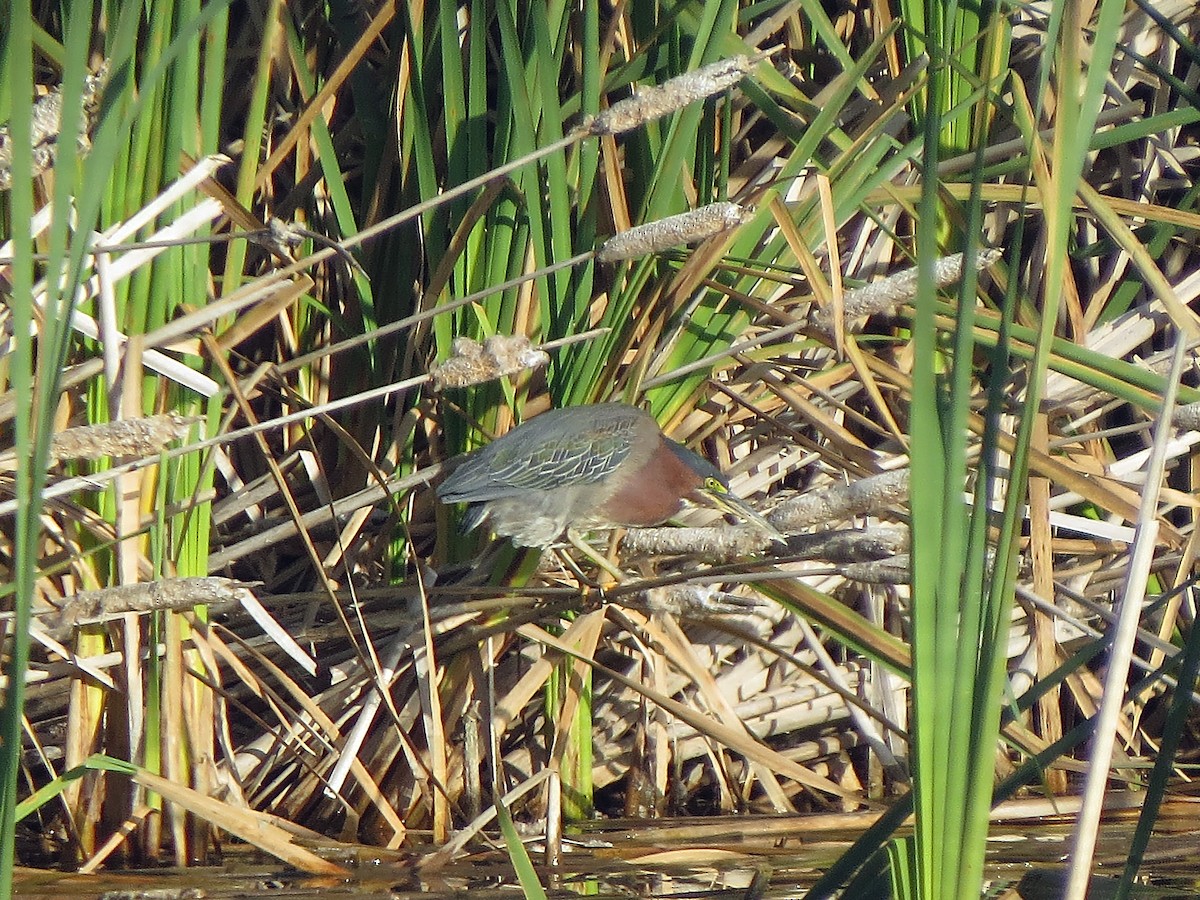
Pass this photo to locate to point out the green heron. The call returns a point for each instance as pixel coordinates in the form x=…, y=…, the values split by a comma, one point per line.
x=585, y=467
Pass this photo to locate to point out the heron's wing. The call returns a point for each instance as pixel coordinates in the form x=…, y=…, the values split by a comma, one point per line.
x=546, y=458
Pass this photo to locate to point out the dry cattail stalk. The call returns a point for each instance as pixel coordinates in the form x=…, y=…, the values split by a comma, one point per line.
x=1187, y=418
x=725, y=543
x=125, y=437
x=885, y=571
x=685, y=228
x=717, y=542
x=47, y=121
x=499, y=355
x=693, y=600
x=870, y=495
x=888, y=293
x=871, y=544
x=93, y=607
x=652, y=103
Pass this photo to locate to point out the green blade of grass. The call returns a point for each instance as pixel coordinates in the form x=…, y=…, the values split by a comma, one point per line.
x=531, y=885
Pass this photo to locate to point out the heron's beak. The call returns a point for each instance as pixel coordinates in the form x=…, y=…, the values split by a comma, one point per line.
x=739, y=508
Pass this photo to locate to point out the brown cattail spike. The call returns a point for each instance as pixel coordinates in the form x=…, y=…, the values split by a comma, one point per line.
x=886, y=294
x=652, y=103
x=673, y=231
x=47, y=120
x=473, y=363
x=124, y=437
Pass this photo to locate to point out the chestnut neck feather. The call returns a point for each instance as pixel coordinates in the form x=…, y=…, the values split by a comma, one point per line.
x=650, y=494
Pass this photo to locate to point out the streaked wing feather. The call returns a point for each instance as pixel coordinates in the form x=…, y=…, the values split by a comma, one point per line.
x=543, y=460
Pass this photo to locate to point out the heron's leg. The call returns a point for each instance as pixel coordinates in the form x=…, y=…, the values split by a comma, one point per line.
x=599, y=559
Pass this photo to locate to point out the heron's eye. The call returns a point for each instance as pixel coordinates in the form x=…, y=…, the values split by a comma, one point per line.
x=714, y=485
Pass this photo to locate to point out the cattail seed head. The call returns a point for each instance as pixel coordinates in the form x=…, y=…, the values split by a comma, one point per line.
x=886, y=294
x=473, y=363
x=673, y=231
x=652, y=103
x=124, y=437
